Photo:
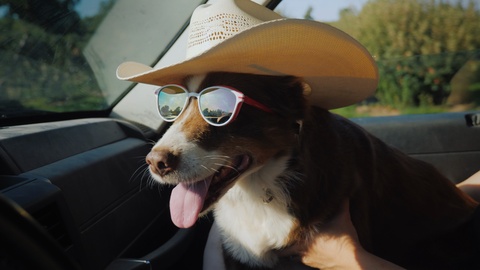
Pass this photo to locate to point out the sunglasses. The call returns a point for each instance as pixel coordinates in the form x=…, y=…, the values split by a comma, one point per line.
x=218, y=105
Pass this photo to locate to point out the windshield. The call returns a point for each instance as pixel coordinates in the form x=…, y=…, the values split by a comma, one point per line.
x=61, y=55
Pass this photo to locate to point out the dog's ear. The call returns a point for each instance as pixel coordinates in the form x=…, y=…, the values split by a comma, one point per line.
x=288, y=99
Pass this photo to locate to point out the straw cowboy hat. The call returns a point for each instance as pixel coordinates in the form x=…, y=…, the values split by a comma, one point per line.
x=244, y=37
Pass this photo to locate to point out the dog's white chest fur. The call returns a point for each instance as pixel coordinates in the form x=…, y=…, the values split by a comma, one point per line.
x=253, y=215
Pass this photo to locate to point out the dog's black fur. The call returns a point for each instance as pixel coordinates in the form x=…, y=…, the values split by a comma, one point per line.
x=403, y=209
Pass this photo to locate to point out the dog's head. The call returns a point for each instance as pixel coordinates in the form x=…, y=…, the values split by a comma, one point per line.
x=204, y=161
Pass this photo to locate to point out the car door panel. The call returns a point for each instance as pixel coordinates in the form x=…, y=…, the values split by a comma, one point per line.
x=92, y=181
x=86, y=176
x=444, y=140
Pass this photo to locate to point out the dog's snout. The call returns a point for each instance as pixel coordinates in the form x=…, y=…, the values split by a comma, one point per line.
x=162, y=162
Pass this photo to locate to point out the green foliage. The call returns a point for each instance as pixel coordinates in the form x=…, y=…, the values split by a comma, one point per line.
x=419, y=46
x=43, y=69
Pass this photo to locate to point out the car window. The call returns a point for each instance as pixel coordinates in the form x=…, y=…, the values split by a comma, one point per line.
x=427, y=51
x=60, y=56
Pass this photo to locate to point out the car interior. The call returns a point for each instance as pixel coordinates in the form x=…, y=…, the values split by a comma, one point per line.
x=76, y=194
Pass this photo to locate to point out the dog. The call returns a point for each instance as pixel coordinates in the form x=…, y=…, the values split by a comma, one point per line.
x=273, y=178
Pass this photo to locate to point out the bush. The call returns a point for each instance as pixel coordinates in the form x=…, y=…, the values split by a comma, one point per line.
x=419, y=46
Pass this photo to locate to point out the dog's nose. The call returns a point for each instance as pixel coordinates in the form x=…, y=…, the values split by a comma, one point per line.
x=162, y=162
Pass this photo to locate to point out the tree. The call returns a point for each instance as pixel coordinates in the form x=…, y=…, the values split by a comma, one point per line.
x=42, y=65
x=165, y=110
x=206, y=112
x=419, y=45
x=56, y=16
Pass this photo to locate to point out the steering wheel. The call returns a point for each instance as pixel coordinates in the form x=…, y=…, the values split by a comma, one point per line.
x=25, y=244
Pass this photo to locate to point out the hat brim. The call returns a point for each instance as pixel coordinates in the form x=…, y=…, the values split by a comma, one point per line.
x=339, y=70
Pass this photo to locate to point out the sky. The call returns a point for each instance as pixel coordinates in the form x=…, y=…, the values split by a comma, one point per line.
x=88, y=8
x=323, y=10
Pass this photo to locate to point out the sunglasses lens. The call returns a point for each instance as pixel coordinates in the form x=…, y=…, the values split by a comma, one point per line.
x=217, y=105
x=171, y=100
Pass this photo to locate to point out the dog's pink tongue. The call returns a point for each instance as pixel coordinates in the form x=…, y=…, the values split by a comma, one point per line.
x=186, y=202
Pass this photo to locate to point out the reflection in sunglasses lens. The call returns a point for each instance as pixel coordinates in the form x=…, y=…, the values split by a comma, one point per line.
x=217, y=105
x=171, y=101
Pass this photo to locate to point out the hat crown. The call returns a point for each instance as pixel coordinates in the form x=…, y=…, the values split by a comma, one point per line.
x=218, y=20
